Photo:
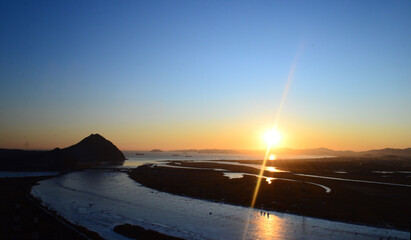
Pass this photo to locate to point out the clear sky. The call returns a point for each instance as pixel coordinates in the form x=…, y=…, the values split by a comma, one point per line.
x=205, y=74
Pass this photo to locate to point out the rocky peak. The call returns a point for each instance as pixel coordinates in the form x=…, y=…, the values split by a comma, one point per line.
x=95, y=149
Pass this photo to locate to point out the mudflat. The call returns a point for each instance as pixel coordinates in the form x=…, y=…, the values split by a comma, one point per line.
x=367, y=201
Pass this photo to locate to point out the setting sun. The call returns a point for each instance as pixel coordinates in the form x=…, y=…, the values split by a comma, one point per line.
x=205, y=120
x=272, y=137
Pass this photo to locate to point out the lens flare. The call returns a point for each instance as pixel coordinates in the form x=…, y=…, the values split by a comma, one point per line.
x=272, y=138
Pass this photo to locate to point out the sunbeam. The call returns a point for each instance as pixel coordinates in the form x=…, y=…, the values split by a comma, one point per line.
x=272, y=138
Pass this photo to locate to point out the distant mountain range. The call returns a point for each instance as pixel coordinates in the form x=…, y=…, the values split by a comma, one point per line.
x=386, y=152
x=91, y=151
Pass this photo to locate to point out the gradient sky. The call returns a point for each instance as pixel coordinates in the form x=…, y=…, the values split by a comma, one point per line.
x=205, y=74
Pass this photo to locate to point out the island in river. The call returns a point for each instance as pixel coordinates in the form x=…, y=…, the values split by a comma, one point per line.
x=380, y=194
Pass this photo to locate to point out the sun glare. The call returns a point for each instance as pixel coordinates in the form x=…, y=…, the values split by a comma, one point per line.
x=272, y=137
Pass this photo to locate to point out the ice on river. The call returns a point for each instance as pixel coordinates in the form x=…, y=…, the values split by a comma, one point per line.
x=101, y=200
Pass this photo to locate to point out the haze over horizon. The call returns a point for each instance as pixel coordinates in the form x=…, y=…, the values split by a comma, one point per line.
x=202, y=75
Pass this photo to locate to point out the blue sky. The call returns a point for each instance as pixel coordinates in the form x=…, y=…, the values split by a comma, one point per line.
x=143, y=72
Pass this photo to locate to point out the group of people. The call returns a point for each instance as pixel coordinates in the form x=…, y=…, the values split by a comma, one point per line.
x=262, y=213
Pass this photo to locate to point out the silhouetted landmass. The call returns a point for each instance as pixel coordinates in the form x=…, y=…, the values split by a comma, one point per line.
x=22, y=217
x=389, y=152
x=288, y=151
x=357, y=202
x=371, y=153
x=94, y=149
x=136, y=232
x=156, y=150
x=386, y=152
x=91, y=151
x=365, y=168
x=224, y=151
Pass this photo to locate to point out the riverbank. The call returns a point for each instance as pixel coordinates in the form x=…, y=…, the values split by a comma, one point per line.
x=136, y=232
x=22, y=217
x=101, y=200
x=354, y=202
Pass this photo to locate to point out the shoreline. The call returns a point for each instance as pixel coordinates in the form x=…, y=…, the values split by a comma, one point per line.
x=167, y=213
x=124, y=229
x=29, y=219
x=331, y=205
x=80, y=230
x=295, y=196
x=140, y=233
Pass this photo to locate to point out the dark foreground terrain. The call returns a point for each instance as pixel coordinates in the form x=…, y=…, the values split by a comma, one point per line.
x=136, y=232
x=362, y=203
x=22, y=217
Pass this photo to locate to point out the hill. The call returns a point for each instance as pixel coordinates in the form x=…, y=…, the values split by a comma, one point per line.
x=93, y=150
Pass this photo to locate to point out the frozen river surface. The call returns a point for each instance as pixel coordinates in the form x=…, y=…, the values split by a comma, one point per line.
x=101, y=200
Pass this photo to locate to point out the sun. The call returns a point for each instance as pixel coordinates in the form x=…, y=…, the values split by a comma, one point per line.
x=272, y=137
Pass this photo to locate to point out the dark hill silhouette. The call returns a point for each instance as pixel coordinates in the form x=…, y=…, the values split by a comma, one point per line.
x=406, y=152
x=156, y=150
x=93, y=150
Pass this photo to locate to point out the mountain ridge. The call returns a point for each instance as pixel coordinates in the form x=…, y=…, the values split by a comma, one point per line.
x=405, y=152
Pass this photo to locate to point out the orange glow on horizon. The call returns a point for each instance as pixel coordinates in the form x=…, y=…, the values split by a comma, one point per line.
x=297, y=133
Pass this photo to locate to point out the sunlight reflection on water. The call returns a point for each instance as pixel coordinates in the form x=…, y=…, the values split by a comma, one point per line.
x=273, y=169
x=101, y=200
x=270, y=227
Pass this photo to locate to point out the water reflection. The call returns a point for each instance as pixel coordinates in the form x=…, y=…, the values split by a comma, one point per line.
x=269, y=179
x=273, y=169
x=113, y=198
x=130, y=163
x=269, y=227
x=232, y=175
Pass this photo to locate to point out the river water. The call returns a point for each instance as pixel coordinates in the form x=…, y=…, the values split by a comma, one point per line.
x=101, y=200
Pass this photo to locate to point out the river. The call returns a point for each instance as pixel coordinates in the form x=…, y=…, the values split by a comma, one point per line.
x=101, y=200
